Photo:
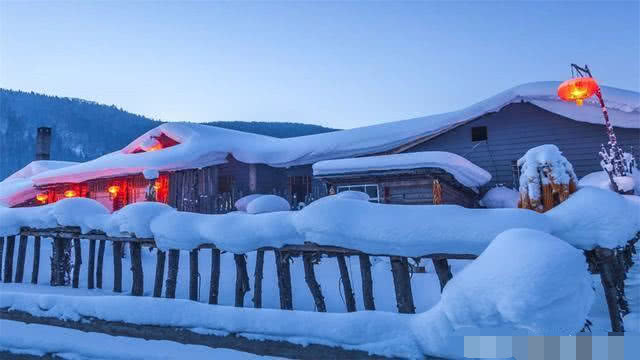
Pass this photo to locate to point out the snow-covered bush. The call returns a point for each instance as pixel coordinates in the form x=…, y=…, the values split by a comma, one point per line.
x=241, y=204
x=628, y=183
x=267, y=203
x=547, y=178
x=500, y=197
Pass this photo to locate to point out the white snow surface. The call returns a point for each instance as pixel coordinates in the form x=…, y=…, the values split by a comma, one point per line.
x=463, y=170
x=201, y=145
x=353, y=195
x=543, y=289
x=241, y=204
x=500, y=197
x=600, y=179
x=18, y=187
x=150, y=174
x=268, y=203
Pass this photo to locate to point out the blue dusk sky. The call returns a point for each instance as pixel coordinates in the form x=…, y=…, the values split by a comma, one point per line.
x=338, y=64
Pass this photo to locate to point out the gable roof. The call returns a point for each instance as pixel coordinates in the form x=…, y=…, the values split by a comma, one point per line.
x=202, y=145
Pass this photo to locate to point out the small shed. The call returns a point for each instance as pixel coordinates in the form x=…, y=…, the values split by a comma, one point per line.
x=431, y=177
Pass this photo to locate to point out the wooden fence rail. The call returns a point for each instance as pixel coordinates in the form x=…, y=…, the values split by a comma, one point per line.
x=67, y=238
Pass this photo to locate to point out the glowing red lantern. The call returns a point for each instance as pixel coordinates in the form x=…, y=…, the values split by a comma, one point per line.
x=578, y=89
x=113, y=190
x=157, y=185
x=42, y=197
x=70, y=193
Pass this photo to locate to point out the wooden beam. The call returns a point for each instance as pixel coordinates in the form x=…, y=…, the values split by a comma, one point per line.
x=160, y=260
x=137, y=285
x=22, y=253
x=1, y=253
x=257, y=279
x=117, y=266
x=77, y=263
x=367, y=282
x=402, y=285
x=100, y=263
x=8, y=259
x=606, y=258
x=91, y=267
x=172, y=273
x=349, y=298
x=312, y=283
x=242, y=279
x=443, y=270
x=284, y=279
x=214, y=285
x=36, y=259
x=194, y=275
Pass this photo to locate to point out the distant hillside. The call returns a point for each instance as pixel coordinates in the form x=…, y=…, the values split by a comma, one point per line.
x=84, y=130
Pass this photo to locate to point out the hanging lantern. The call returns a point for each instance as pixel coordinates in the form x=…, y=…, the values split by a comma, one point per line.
x=42, y=197
x=113, y=190
x=157, y=185
x=578, y=89
x=70, y=193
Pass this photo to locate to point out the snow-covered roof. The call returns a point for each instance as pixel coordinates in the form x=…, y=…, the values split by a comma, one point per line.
x=201, y=145
x=18, y=187
x=463, y=170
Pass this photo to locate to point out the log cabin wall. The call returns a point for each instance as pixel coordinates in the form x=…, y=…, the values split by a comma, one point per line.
x=194, y=190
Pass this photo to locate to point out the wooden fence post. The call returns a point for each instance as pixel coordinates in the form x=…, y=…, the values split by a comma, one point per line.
x=92, y=264
x=99, y=264
x=257, y=282
x=443, y=270
x=117, y=266
x=214, y=285
x=284, y=280
x=8, y=259
x=242, y=279
x=22, y=253
x=36, y=260
x=1, y=258
x=312, y=282
x=367, y=282
x=60, y=262
x=402, y=284
x=160, y=260
x=346, y=284
x=194, y=274
x=137, y=285
x=172, y=273
x=77, y=252
x=606, y=258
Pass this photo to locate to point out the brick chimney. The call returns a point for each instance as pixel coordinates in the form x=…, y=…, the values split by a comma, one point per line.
x=43, y=143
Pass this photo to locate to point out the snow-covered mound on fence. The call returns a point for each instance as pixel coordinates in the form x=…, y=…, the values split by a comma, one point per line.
x=201, y=145
x=500, y=197
x=18, y=187
x=267, y=204
x=525, y=280
x=600, y=179
x=463, y=170
x=591, y=217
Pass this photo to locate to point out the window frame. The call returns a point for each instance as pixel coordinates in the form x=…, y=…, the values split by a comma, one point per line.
x=483, y=131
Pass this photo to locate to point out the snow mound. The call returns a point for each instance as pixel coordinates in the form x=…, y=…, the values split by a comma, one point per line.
x=600, y=179
x=594, y=217
x=135, y=219
x=524, y=280
x=462, y=169
x=267, y=204
x=352, y=195
x=241, y=204
x=500, y=197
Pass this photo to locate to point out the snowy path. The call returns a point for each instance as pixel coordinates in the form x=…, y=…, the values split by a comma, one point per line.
x=21, y=338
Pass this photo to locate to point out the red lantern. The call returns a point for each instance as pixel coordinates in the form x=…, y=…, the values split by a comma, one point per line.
x=578, y=89
x=70, y=193
x=113, y=190
x=42, y=198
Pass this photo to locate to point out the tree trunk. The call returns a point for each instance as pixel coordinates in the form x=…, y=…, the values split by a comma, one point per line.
x=137, y=285
x=606, y=258
x=22, y=253
x=117, y=266
x=160, y=260
x=214, y=285
x=92, y=264
x=172, y=274
x=258, y=275
x=8, y=259
x=194, y=275
x=367, y=283
x=36, y=260
x=312, y=283
x=284, y=280
x=402, y=284
x=443, y=270
x=346, y=284
x=77, y=252
x=99, y=264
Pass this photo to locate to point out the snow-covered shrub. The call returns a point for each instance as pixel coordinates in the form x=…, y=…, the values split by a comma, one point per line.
x=500, y=197
x=241, y=204
x=268, y=203
x=547, y=178
x=629, y=183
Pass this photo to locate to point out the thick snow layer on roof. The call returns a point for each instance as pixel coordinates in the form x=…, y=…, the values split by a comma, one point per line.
x=463, y=170
x=18, y=187
x=201, y=145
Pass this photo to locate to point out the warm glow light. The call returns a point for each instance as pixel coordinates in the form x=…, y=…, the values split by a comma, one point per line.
x=113, y=190
x=70, y=193
x=42, y=197
x=157, y=185
x=155, y=147
x=578, y=89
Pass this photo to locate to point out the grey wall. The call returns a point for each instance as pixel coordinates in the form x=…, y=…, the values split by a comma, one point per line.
x=521, y=126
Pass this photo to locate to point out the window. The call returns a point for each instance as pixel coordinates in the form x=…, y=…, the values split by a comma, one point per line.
x=369, y=189
x=300, y=189
x=479, y=133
